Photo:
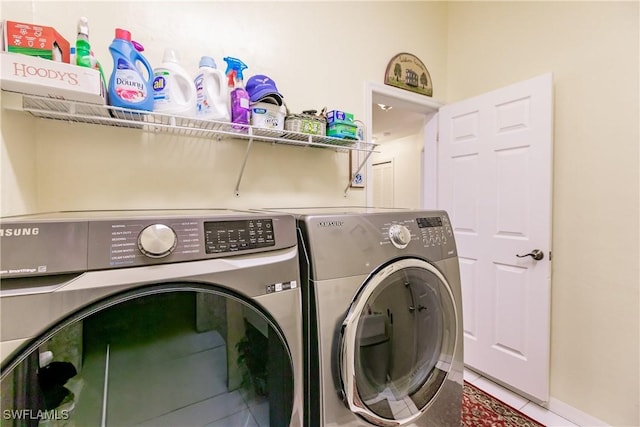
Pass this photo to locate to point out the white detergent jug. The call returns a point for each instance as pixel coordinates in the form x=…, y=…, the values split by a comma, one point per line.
x=211, y=92
x=173, y=89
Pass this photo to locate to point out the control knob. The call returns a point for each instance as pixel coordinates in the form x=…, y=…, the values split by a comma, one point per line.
x=400, y=236
x=157, y=241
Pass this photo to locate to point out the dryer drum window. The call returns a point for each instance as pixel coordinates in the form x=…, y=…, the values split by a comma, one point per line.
x=179, y=354
x=398, y=343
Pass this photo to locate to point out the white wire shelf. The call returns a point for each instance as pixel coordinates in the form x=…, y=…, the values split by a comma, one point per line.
x=78, y=112
x=106, y=115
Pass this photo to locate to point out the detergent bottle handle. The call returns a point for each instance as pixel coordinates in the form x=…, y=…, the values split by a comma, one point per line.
x=220, y=83
x=138, y=58
x=186, y=84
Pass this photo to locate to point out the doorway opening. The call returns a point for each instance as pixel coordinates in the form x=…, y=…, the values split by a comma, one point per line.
x=401, y=122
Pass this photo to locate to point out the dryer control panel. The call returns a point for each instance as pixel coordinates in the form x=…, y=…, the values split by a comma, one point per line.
x=227, y=236
x=184, y=239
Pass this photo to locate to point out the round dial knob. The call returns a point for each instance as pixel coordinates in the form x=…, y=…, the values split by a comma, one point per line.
x=157, y=241
x=400, y=236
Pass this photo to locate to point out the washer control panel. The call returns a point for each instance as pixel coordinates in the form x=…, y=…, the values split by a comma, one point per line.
x=435, y=230
x=427, y=231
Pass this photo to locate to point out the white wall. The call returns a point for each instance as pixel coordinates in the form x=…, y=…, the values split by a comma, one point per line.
x=319, y=54
x=593, y=52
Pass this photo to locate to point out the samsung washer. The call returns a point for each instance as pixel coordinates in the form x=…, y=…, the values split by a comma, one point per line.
x=383, y=317
x=150, y=318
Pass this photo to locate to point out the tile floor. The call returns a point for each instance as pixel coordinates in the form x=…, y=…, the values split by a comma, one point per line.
x=516, y=401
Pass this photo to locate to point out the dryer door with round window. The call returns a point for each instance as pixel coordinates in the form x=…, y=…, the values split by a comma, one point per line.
x=174, y=354
x=397, y=342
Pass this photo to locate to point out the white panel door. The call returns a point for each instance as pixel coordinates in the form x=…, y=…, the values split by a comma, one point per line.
x=383, y=185
x=494, y=179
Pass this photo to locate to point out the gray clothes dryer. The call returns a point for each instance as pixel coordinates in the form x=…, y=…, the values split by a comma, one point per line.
x=150, y=318
x=383, y=317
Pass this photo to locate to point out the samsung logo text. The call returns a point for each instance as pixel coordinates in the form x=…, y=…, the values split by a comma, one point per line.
x=331, y=224
x=18, y=232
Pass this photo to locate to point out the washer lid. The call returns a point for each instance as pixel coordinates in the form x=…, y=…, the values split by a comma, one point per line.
x=397, y=343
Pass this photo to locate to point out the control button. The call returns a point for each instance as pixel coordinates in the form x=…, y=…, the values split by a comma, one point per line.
x=400, y=236
x=157, y=241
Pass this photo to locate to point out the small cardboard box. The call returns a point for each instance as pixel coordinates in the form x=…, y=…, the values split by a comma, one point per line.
x=36, y=76
x=339, y=117
x=35, y=40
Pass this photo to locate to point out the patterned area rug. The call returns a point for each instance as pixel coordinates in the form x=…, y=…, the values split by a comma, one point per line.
x=481, y=409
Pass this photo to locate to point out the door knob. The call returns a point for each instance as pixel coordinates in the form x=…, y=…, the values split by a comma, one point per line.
x=536, y=254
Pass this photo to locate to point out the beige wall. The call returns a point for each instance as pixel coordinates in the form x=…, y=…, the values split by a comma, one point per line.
x=319, y=54
x=592, y=51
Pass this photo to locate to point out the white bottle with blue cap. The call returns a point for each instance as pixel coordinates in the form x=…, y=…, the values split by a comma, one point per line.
x=173, y=90
x=211, y=92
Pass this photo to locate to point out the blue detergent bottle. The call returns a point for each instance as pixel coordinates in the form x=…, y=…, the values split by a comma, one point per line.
x=131, y=82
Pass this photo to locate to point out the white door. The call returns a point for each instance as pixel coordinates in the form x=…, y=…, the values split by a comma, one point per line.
x=383, y=184
x=495, y=175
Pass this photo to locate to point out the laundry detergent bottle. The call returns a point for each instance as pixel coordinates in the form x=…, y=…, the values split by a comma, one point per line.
x=211, y=92
x=173, y=88
x=130, y=85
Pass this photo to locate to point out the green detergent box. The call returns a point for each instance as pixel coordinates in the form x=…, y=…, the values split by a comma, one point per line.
x=341, y=130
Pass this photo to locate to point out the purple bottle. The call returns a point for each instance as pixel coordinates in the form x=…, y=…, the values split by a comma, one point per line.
x=239, y=98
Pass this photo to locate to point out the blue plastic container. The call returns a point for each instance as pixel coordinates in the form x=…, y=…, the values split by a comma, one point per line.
x=129, y=86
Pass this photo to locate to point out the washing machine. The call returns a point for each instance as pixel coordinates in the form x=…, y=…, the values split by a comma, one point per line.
x=383, y=317
x=150, y=318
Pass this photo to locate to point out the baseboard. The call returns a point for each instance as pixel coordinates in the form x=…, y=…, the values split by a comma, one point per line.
x=574, y=415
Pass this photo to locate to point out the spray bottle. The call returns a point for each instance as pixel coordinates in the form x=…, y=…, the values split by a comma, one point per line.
x=239, y=98
x=83, y=48
x=82, y=55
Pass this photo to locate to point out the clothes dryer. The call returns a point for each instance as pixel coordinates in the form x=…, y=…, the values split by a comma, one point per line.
x=383, y=317
x=150, y=318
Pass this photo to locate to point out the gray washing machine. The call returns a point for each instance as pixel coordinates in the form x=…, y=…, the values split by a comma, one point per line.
x=172, y=318
x=383, y=317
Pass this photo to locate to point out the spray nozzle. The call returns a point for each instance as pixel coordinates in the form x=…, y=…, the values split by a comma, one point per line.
x=234, y=64
x=83, y=26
